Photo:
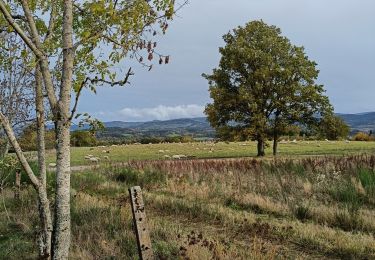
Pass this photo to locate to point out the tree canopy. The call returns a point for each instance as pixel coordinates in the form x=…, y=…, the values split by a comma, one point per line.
x=263, y=84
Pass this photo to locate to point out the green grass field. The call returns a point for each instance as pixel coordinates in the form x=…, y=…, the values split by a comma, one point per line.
x=126, y=153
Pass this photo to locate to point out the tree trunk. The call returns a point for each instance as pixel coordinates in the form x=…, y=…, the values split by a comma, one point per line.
x=61, y=235
x=45, y=214
x=46, y=230
x=261, y=147
x=275, y=143
x=61, y=230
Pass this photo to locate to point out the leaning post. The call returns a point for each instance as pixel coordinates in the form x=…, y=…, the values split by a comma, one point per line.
x=140, y=224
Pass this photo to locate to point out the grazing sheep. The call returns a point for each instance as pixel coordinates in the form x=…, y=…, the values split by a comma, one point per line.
x=294, y=141
x=167, y=156
x=87, y=157
x=52, y=165
x=94, y=160
x=106, y=157
x=176, y=156
x=347, y=141
x=161, y=151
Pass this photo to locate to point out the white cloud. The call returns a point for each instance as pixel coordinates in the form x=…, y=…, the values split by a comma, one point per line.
x=161, y=112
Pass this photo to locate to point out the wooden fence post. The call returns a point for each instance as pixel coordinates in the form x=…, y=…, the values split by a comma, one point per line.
x=17, y=184
x=140, y=224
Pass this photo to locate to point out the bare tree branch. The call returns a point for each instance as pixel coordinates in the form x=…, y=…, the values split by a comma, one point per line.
x=95, y=81
x=51, y=24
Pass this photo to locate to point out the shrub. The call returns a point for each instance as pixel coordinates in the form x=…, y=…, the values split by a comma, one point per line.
x=83, y=139
x=361, y=136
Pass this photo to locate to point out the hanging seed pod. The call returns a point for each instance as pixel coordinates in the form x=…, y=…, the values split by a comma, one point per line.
x=154, y=33
x=141, y=59
x=166, y=60
x=161, y=60
x=155, y=44
x=149, y=46
x=150, y=56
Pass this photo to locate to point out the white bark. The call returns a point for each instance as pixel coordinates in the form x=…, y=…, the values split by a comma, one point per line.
x=46, y=232
x=61, y=237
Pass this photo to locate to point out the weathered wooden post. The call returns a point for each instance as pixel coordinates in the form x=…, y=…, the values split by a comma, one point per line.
x=17, y=184
x=140, y=224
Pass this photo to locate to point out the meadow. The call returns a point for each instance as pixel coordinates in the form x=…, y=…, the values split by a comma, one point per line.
x=125, y=153
x=296, y=206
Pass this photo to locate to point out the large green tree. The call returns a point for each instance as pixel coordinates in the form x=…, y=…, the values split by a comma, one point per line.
x=333, y=127
x=263, y=84
x=72, y=46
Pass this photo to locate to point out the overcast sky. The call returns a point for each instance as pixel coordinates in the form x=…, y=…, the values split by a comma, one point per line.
x=338, y=34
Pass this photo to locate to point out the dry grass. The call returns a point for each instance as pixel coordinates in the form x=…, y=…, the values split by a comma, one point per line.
x=214, y=209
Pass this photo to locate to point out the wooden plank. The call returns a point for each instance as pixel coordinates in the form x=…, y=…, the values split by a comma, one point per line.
x=140, y=224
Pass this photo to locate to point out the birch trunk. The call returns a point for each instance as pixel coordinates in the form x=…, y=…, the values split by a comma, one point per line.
x=61, y=236
x=46, y=232
x=45, y=214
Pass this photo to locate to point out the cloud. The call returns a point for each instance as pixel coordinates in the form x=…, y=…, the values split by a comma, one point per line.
x=161, y=112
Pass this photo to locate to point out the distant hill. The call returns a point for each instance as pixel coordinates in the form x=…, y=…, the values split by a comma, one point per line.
x=196, y=127
x=200, y=128
x=360, y=122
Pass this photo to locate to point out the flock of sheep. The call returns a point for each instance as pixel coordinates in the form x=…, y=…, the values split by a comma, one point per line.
x=208, y=146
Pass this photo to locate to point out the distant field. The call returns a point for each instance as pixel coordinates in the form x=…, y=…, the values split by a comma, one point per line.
x=211, y=150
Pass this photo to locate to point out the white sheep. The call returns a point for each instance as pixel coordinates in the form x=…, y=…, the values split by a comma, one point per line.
x=52, y=165
x=167, y=156
x=94, y=160
x=176, y=156
x=161, y=151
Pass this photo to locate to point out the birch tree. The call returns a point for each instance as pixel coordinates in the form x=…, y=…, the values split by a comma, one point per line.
x=75, y=45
